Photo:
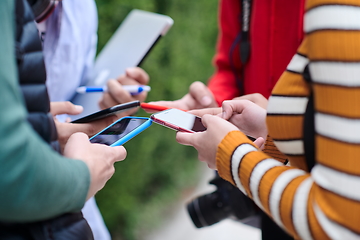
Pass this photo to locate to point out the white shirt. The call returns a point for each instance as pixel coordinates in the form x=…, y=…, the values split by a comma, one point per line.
x=69, y=43
x=70, y=47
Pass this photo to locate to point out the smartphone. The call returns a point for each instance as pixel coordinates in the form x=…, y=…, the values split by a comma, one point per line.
x=153, y=107
x=107, y=112
x=178, y=120
x=121, y=131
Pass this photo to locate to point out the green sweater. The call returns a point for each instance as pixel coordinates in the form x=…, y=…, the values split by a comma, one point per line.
x=35, y=182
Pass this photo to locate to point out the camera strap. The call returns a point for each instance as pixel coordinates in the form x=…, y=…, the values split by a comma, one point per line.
x=245, y=27
x=243, y=40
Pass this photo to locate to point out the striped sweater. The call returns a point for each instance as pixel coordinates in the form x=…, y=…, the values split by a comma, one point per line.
x=323, y=203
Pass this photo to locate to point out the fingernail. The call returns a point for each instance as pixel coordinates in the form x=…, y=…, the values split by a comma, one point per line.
x=130, y=71
x=78, y=108
x=223, y=114
x=206, y=101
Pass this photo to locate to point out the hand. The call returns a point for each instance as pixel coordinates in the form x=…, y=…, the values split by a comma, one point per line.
x=201, y=112
x=249, y=117
x=199, y=96
x=65, y=130
x=117, y=95
x=206, y=142
x=256, y=98
x=99, y=158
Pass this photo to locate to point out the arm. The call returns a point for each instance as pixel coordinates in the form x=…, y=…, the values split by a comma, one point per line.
x=36, y=183
x=223, y=83
x=322, y=204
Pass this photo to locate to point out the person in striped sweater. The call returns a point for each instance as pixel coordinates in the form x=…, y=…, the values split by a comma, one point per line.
x=313, y=112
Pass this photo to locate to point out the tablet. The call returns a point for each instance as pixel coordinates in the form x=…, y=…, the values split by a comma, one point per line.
x=128, y=47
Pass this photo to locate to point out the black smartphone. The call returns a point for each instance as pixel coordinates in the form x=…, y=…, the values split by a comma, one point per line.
x=107, y=112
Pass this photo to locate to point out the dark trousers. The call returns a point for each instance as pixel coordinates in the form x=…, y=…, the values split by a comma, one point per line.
x=70, y=226
x=271, y=231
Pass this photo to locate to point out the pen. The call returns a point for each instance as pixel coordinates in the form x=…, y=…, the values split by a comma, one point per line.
x=133, y=89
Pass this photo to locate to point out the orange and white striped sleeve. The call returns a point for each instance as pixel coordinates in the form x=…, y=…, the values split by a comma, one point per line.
x=325, y=203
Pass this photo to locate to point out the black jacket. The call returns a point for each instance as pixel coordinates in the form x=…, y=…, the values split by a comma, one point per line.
x=32, y=74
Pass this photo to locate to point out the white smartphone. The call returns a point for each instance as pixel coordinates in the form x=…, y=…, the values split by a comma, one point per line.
x=178, y=120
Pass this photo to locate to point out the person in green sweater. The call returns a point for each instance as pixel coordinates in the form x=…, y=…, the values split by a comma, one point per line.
x=37, y=183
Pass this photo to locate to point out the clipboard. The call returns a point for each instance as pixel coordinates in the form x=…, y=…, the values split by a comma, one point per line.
x=128, y=47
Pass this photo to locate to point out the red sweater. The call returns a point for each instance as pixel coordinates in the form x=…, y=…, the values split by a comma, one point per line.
x=275, y=34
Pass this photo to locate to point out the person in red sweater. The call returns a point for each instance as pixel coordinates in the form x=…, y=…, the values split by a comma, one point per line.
x=256, y=41
x=275, y=32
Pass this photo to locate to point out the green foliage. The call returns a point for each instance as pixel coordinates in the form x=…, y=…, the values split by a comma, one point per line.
x=157, y=169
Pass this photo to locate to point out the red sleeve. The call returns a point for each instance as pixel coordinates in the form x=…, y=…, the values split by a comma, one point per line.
x=223, y=83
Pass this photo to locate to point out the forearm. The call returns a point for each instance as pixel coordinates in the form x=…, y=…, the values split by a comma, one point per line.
x=319, y=205
x=264, y=179
x=37, y=183
x=271, y=150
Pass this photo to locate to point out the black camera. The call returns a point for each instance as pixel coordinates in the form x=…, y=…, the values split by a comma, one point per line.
x=227, y=201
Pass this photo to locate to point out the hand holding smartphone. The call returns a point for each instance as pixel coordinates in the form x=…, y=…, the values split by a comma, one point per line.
x=121, y=131
x=181, y=121
x=178, y=120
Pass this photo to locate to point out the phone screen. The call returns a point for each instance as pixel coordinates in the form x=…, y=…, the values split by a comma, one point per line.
x=179, y=120
x=117, y=131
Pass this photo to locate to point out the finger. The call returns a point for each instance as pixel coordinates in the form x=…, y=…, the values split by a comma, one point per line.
x=212, y=166
x=78, y=137
x=201, y=112
x=115, y=95
x=259, y=142
x=212, y=120
x=206, y=120
x=256, y=98
x=106, y=101
x=233, y=106
x=202, y=94
x=185, y=138
x=57, y=108
x=117, y=92
x=118, y=153
x=138, y=74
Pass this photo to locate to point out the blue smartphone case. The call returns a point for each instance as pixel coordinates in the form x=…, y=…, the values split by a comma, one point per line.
x=131, y=134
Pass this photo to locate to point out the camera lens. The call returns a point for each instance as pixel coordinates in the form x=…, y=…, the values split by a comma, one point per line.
x=208, y=210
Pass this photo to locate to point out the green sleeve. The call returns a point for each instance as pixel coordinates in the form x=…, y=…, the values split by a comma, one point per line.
x=35, y=182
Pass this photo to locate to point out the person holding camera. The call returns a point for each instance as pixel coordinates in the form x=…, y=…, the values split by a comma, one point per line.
x=313, y=117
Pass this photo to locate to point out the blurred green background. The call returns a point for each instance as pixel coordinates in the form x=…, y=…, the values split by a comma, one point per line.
x=158, y=170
